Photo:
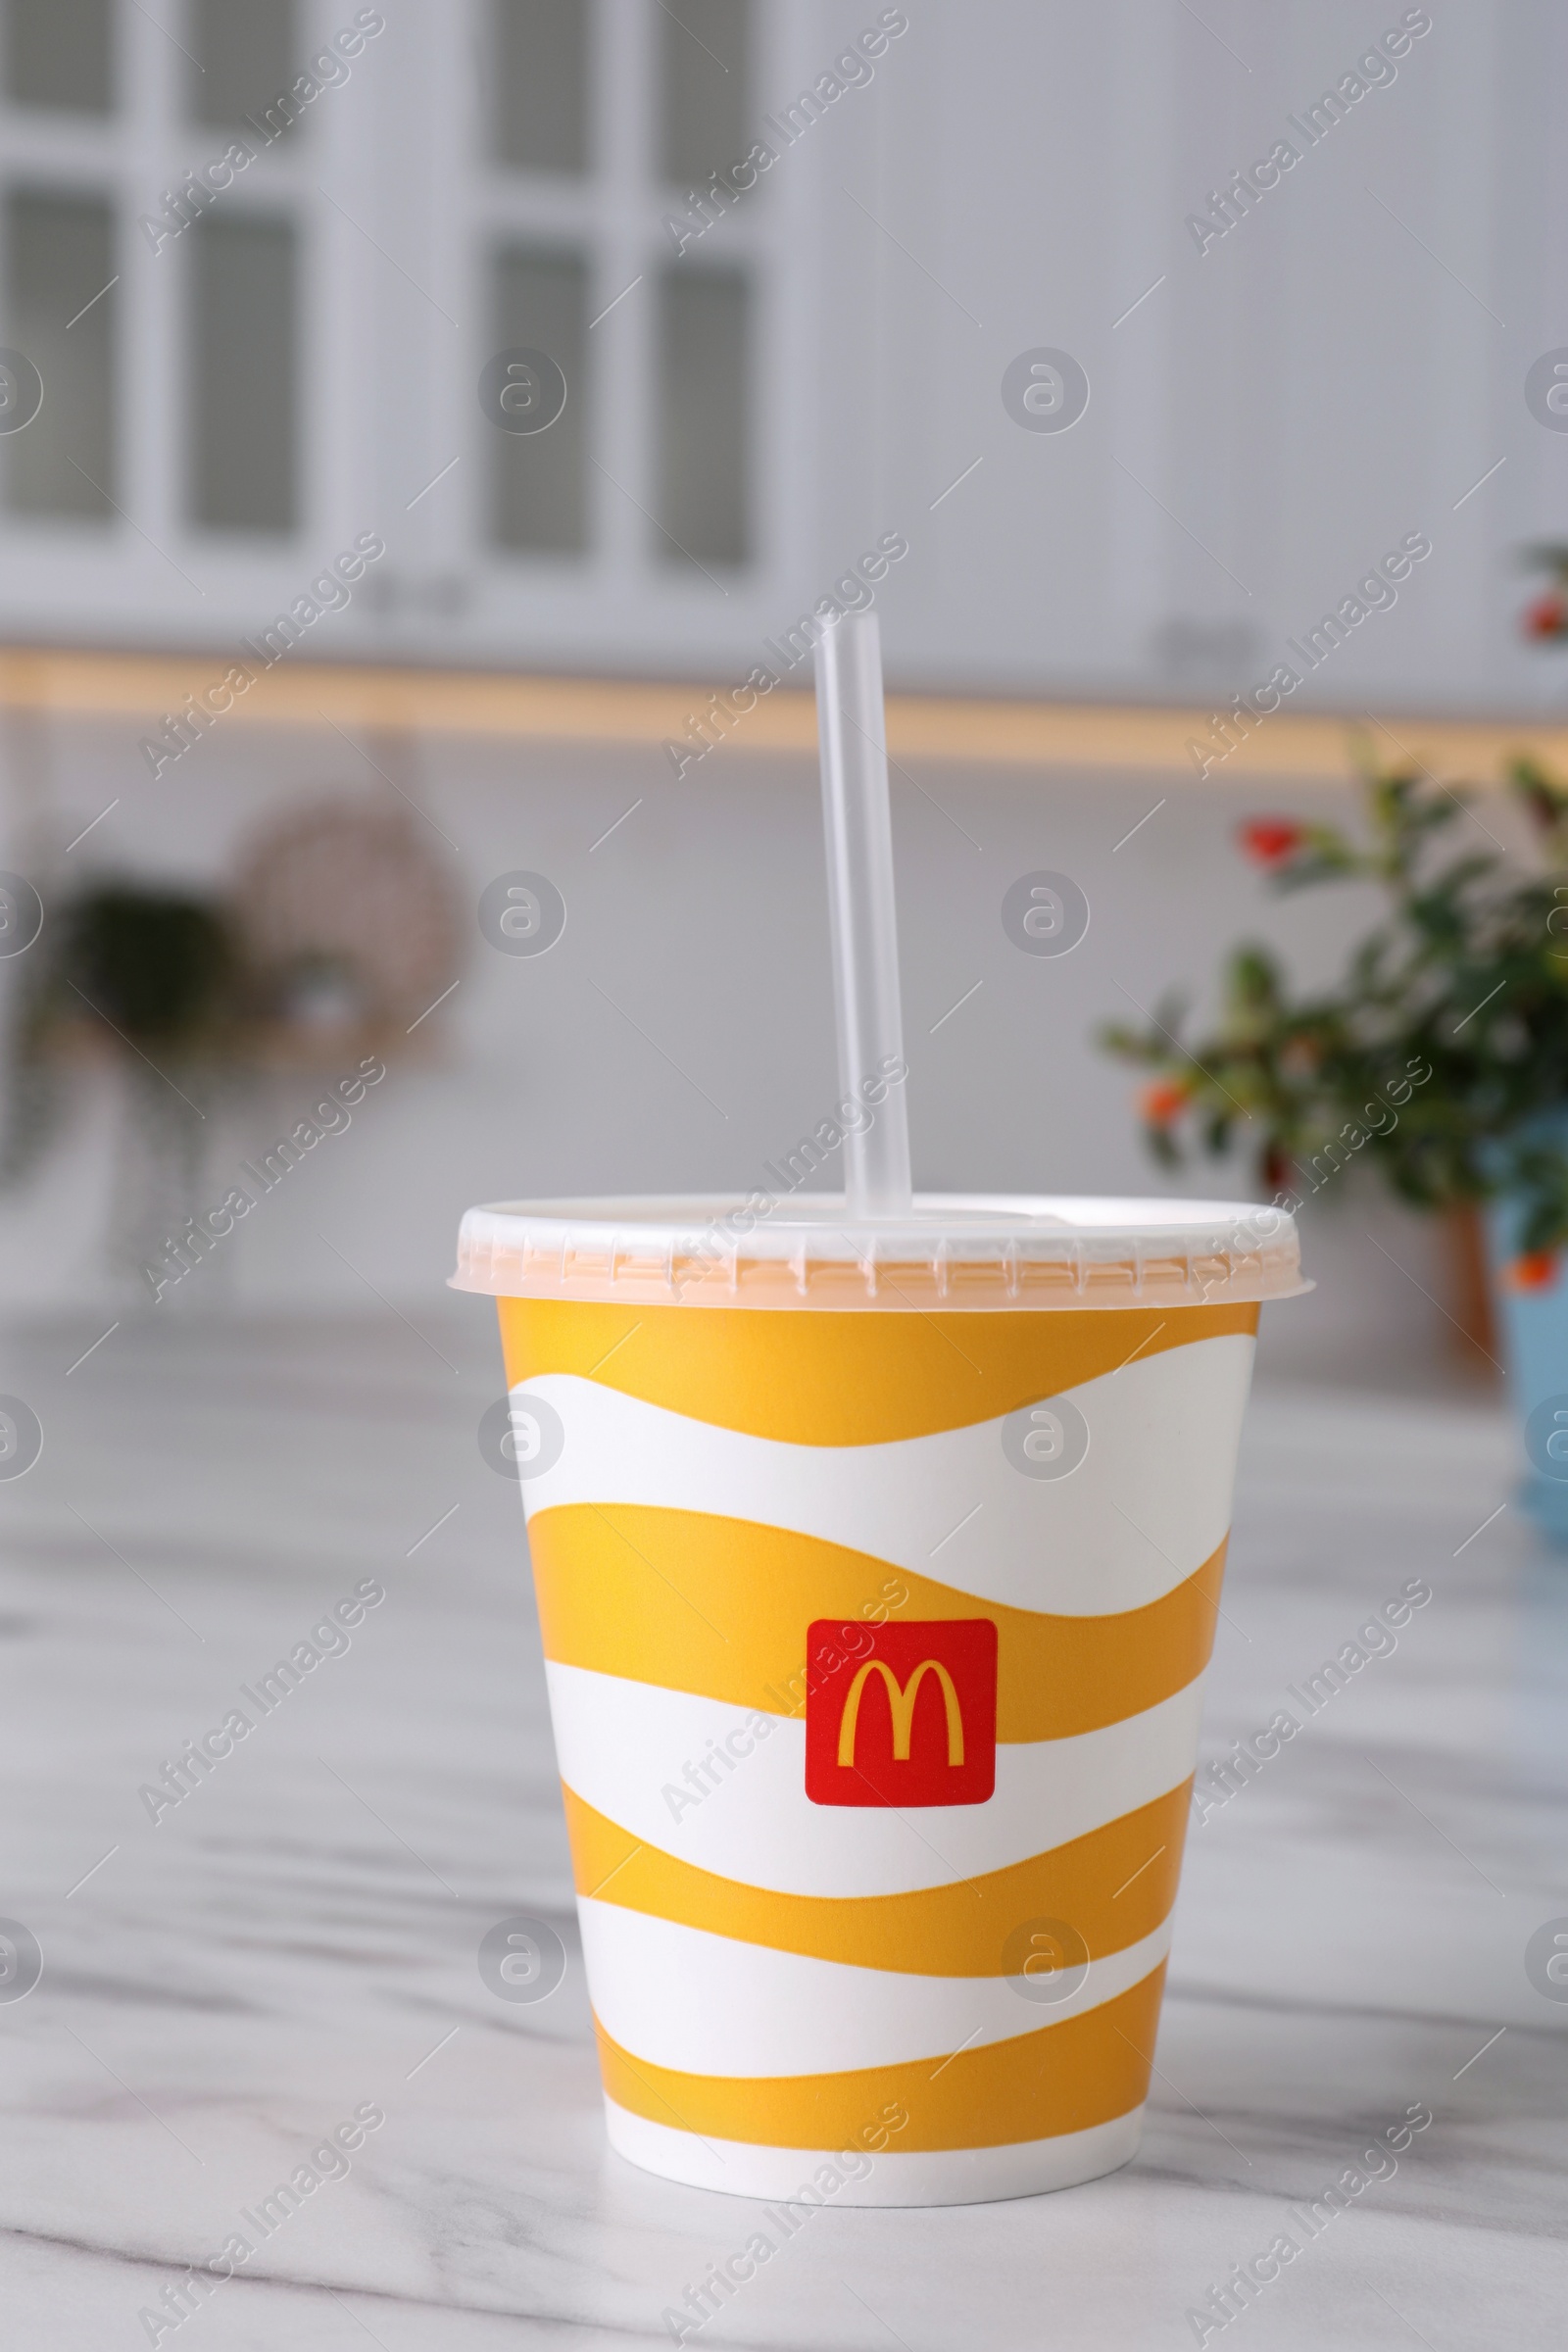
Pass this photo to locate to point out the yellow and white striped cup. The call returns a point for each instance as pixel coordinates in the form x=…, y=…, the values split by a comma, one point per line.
x=877, y=1575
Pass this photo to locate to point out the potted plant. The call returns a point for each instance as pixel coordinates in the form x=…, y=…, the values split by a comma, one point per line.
x=1439, y=1057
x=1544, y=619
x=142, y=978
x=339, y=933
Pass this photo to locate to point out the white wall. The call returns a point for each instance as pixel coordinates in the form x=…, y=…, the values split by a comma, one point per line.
x=702, y=918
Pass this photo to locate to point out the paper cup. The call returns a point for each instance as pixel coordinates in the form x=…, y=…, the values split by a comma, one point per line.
x=877, y=1575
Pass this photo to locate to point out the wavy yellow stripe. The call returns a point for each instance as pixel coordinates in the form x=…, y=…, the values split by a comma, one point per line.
x=1061, y=2078
x=691, y=1601
x=822, y=1379
x=1114, y=1885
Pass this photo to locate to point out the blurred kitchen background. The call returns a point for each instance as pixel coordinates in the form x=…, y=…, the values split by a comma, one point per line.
x=266, y=261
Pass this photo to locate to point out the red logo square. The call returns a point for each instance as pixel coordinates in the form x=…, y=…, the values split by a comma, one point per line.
x=901, y=1714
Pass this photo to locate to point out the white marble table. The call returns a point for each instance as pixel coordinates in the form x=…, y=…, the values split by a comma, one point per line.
x=297, y=1939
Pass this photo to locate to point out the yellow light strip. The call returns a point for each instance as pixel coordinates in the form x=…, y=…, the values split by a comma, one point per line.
x=1308, y=748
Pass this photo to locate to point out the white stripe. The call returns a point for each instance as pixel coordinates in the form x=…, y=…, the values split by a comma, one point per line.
x=624, y=1748
x=705, y=2005
x=1147, y=1507
x=924, y=2176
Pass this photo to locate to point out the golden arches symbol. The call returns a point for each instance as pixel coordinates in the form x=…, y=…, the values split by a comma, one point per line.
x=901, y=1700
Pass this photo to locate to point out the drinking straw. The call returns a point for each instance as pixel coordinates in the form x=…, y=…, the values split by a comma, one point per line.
x=851, y=735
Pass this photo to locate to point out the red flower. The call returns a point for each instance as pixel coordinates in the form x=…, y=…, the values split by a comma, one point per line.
x=1536, y=1270
x=1270, y=840
x=1162, y=1102
x=1547, y=616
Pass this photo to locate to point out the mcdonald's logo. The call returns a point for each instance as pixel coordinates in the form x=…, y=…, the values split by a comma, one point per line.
x=902, y=1701
x=901, y=1714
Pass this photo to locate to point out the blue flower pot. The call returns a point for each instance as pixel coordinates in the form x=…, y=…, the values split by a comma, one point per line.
x=1533, y=1324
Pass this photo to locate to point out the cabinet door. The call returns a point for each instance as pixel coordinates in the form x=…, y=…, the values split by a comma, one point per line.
x=1305, y=258
x=179, y=264
x=579, y=200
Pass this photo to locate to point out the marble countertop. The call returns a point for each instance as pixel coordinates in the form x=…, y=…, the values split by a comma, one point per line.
x=296, y=1940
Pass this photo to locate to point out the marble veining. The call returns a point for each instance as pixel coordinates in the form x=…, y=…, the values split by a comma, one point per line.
x=296, y=1939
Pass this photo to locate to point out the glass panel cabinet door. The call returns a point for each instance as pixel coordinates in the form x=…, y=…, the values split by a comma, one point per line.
x=265, y=256
x=706, y=96
x=243, y=56
x=537, y=495
x=62, y=314
x=541, y=84
x=568, y=211
x=242, y=335
x=704, y=408
x=60, y=54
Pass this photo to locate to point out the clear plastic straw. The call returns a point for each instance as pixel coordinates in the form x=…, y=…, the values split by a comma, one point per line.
x=851, y=736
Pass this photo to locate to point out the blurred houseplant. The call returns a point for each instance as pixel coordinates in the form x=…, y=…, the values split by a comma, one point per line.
x=1545, y=616
x=338, y=934
x=1439, y=1057
x=147, y=976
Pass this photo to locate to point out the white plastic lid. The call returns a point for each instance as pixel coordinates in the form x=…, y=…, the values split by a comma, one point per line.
x=967, y=1251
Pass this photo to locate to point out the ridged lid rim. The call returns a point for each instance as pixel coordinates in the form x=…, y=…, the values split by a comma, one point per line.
x=952, y=1249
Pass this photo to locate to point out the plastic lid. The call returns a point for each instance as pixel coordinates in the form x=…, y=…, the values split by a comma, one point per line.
x=964, y=1250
